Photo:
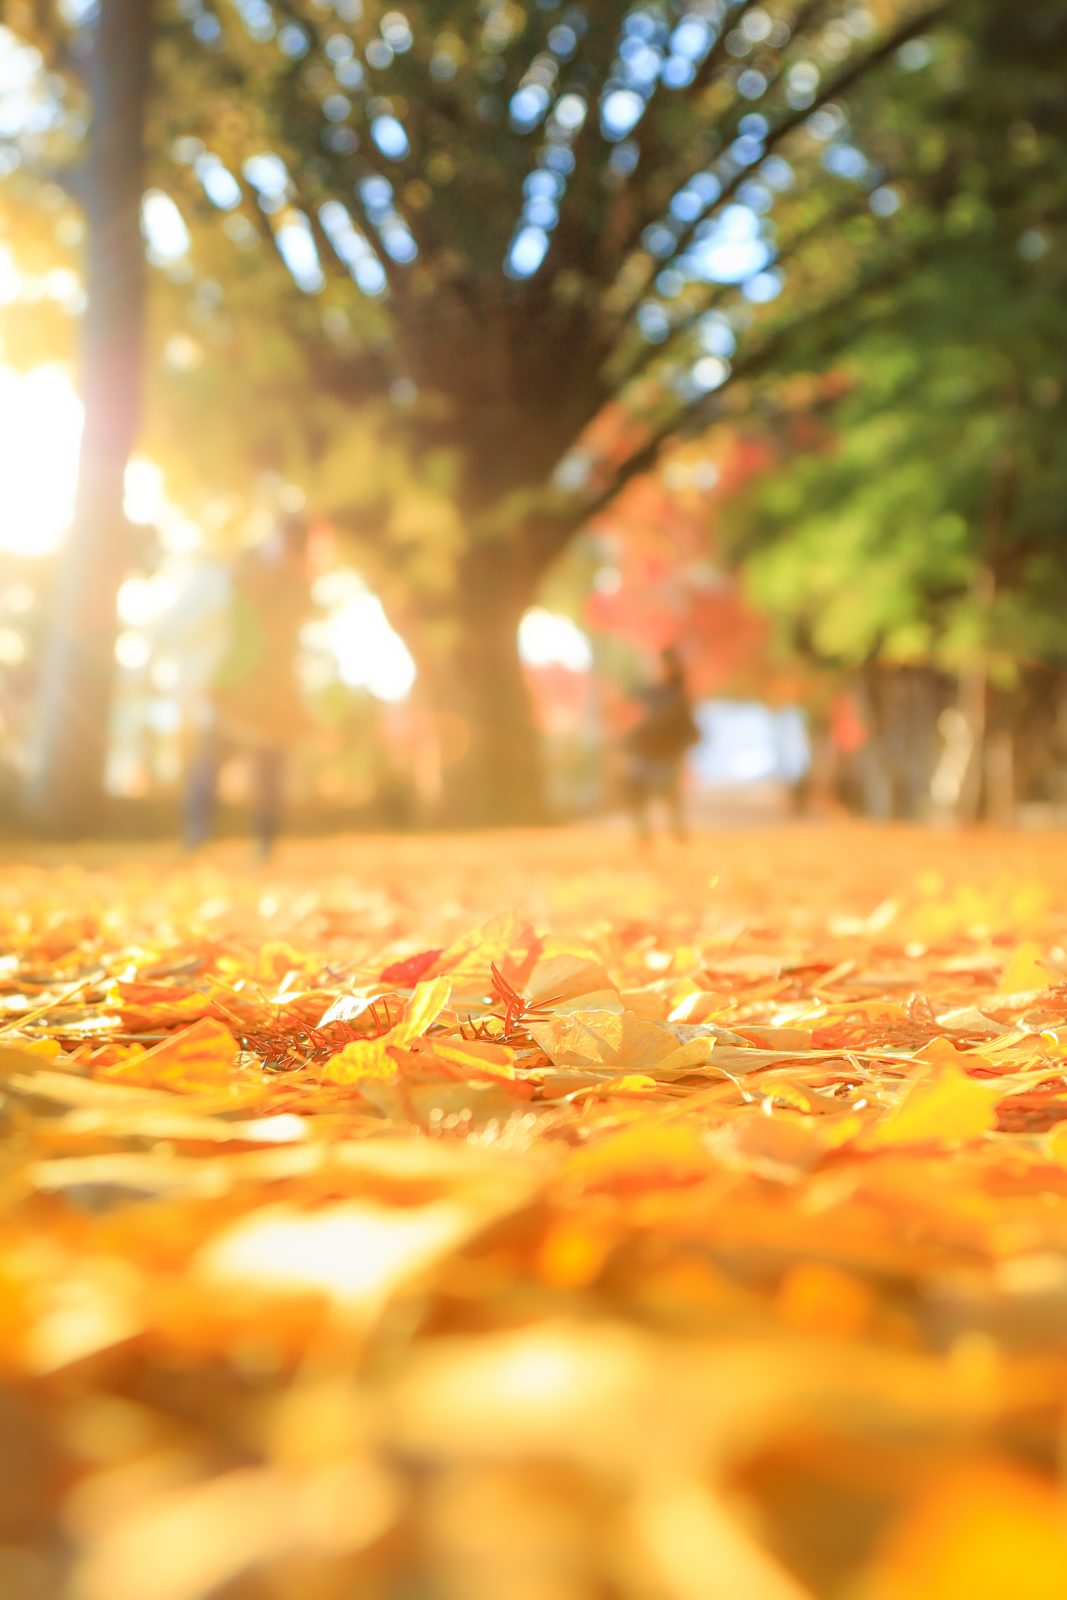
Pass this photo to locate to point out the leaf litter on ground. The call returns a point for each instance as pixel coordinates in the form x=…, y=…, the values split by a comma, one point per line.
x=524, y=1220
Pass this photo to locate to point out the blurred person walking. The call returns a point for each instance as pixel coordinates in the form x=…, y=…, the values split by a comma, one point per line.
x=253, y=706
x=656, y=747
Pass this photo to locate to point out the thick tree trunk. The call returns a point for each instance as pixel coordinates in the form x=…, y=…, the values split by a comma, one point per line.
x=472, y=681
x=495, y=774
x=66, y=783
x=875, y=778
x=900, y=759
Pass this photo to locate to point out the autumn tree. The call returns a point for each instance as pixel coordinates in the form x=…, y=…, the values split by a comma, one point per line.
x=924, y=535
x=484, y=228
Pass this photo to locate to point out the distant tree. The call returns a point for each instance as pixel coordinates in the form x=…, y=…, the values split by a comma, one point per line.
x=656, y=580
x=78, y=662
x=927, y=529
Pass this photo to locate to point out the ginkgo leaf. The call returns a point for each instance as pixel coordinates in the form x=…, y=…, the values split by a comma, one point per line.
x=630, y=1083
x=620, y=1040
x=942, y=1105
x=666, y=1152
x=355, y=1252
x=428, y=1000
x=1026, y=971
x=477, y=1055
x=20, y=1059
x=158, y=1004
x=568, y=977
x=359, y=1059
x=190, y=1059
x=21, y=1044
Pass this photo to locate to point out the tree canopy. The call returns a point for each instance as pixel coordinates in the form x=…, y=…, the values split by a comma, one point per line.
x=930, y=523
x=918, y=524
x=479, y=264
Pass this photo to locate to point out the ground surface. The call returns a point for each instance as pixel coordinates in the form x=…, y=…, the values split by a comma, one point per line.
x=670, y=1227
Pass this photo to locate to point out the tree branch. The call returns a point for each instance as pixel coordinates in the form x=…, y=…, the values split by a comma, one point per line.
x=685, y=419
x=830, y=219
x=689, y=166
x=831, y=90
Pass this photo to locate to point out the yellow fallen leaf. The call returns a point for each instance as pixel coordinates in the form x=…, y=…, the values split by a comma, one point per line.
x=666, y=1153
x=1057, y=1144
x=1025, y=971
x=34, y=1047
x=572, y=1254
x=689, y=1536
x=475, y=950
x=942, y=1106
x=201, y=1055
x=988, y=1532
x=428, y=1000
x=818, y=1298
x=698, y=1005
x=621, y=1040
x=149, y=1005
x=353, y=1251
x=360, y=1058
x=566, y=977
x=468, y=1104
x=24, y=1059
x=476, y=1055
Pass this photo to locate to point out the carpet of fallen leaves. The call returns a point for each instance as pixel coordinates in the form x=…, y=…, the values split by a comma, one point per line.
x=515, y=1218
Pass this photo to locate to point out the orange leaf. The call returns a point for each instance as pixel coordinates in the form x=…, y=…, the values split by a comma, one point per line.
x=144, y=1006
x=476, y=1055
x=200, y=1055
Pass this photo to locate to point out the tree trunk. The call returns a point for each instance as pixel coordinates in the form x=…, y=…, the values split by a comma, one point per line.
x=66, y=782
x=974, y=695
x=472, y=682
x=875, y=778
x=493, y=774
x=973, y=705
x=1000, y=778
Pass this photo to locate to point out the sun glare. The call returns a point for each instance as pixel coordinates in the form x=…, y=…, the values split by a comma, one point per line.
x=547, y=639
x=40, y=427
x=369, y=653
x=40, y=432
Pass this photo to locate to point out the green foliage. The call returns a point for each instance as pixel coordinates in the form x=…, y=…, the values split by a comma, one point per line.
x=929, y=525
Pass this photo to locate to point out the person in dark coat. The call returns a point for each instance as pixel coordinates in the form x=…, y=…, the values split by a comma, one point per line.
x=656, y=747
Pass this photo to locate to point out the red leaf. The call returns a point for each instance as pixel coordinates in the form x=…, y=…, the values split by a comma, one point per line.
x=412, y=969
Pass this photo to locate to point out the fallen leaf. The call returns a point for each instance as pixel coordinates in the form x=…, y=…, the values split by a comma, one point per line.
x=411, y=969
x=941, y=1105
x=985, y=1532
x=1026, y=971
